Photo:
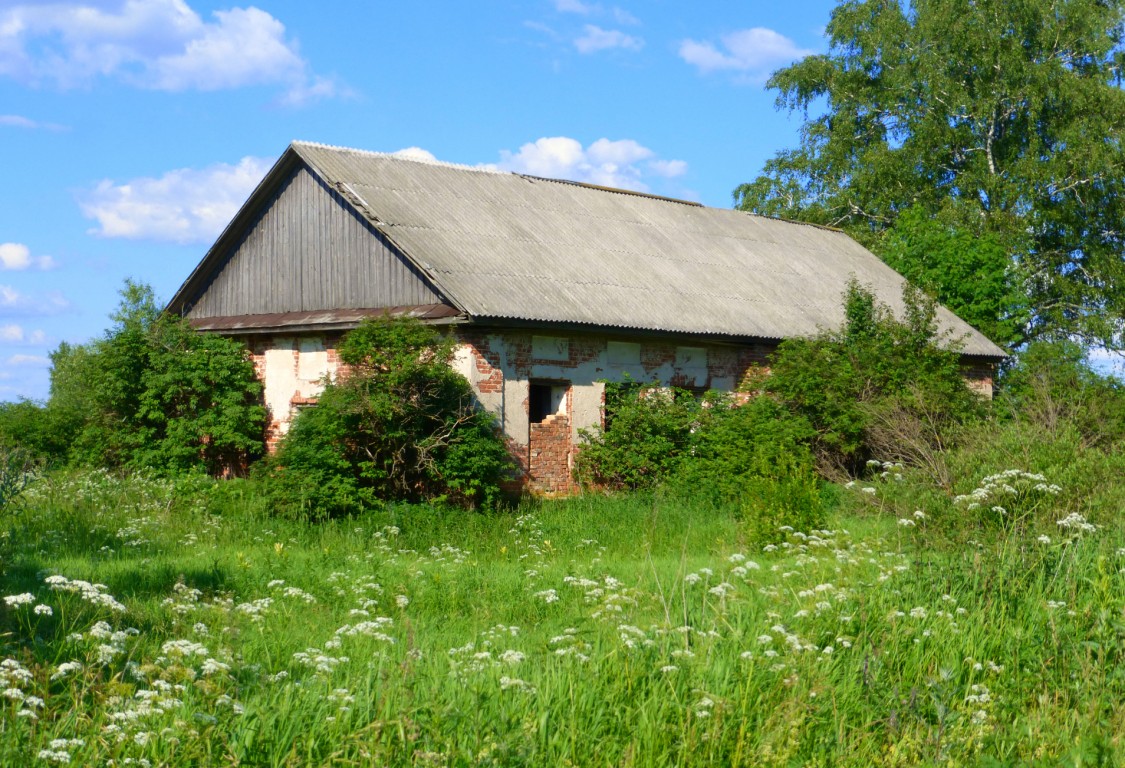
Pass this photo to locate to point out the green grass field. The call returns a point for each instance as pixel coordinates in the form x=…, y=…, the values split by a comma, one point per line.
x=151, y=622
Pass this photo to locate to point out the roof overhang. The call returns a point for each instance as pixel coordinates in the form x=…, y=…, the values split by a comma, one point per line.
x=321, y=320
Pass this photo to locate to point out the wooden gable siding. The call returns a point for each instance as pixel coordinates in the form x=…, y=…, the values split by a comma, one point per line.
x=306, y=250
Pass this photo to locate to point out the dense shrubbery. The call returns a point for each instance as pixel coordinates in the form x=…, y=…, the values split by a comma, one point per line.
x=753, y=456
x=877, y=388
x=152, y=393
x=648, y=430
x=1052, y=386
x=399, y=424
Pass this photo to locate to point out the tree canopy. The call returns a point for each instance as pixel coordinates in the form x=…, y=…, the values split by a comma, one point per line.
x=976, y=145
x=151, y=393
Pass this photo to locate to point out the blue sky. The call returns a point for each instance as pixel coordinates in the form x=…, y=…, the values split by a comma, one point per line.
x=131, y=130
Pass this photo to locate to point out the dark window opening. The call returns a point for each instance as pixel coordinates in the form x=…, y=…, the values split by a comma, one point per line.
x=544, y=399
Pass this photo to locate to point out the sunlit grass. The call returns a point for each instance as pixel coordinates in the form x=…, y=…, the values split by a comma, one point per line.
x=638, y=630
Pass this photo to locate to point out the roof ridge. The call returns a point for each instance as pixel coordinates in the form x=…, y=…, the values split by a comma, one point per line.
x=613, y=190
x=399, y=156
x=826, y=227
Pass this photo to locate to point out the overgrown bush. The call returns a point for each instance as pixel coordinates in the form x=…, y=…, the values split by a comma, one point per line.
x=153, y=393
x=1052, y=386
x=150, y=394
x=32, y=430
x=753, y=456
x=399, y=424
x=648, y=428
x=878, y=387
x=17, y=470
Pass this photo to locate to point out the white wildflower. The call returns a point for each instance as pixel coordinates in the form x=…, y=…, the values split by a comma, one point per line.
x=512, y=657
x=64, y=669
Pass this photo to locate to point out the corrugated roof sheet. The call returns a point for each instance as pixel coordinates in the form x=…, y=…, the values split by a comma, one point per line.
x=503, y=245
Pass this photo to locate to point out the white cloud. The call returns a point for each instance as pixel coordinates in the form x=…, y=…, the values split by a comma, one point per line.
x=417, y=153
x=669, y=169
x=15, y=334
x=755, y=52
x=182, y=206
x=596, y=39
x=575, y=6
x=16, y=256
x=31, y=361
x=19, y=121
x=158, y=44
x=607, y=163
x=13, y=302
x=624, y=17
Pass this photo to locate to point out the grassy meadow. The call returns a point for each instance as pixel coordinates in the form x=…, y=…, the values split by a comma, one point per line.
x=178, y=622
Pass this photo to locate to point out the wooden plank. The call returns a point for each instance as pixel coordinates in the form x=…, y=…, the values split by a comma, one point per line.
x=308, y=251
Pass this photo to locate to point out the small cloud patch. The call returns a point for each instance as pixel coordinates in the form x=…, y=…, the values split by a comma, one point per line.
x=186, y=205
x=752, y=52
x=595, y=39
x=623, y=163
x=17, y=256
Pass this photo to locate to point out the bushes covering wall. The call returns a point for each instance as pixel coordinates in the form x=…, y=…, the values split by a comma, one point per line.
x=397, y=424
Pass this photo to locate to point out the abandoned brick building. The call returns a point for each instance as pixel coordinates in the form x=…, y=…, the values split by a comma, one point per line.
x=551, y=287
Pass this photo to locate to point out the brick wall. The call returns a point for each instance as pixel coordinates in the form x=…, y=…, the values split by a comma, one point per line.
x=550, y=455
x=500, y=365
x=978, y=374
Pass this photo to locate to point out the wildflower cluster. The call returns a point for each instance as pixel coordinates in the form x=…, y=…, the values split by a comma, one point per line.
x=94, y=594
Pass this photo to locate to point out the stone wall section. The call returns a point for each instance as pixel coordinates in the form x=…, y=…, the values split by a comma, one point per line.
x=293, y=370
x=502, y=365
x=550, y=463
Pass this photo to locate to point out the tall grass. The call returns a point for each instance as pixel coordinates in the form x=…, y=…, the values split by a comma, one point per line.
x=639, y=630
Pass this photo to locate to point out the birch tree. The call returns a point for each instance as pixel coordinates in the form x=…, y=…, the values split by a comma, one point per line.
x=976, y=145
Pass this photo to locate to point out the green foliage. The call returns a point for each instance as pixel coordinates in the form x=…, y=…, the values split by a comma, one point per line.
x=33, y=430
x=877, y=387
x=757, y=457
x=997, y=125
x=753, y=457
x=391, y=638
x=401, y=424
x=17, y=470
x=1053, y=387
x=199, y=405
x=648, y=428
x=152, y=393
x=968, y=270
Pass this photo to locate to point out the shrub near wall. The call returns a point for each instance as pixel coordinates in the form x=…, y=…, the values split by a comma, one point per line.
x=752, y=457
x=879, y=388
x=399, y=424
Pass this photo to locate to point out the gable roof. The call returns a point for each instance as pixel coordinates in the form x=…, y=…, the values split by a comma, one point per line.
x=506, y=246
